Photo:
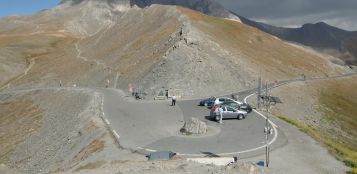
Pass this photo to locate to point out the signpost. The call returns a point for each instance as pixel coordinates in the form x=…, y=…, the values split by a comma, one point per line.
x=268, y=101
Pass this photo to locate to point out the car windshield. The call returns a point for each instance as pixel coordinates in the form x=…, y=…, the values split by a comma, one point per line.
x=232, y=104
x=230, y=109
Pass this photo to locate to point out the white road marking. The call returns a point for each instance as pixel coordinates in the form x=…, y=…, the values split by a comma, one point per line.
x=150, y=150
x=116, y=80
x=107, y=121
x=245, y=99
x=249, y=150
x=116, y=134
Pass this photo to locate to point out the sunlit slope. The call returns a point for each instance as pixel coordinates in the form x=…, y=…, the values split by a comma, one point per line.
x=267, y=55
x=92, y=45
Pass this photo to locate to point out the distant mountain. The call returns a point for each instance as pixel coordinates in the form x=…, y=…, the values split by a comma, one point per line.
x=321, y=36
x=209, y=7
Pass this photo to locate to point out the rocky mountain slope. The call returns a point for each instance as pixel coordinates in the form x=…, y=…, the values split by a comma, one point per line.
x=91, y=43
x=321, y=36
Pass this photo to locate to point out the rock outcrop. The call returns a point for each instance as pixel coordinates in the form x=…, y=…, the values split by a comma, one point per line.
x=194, y=126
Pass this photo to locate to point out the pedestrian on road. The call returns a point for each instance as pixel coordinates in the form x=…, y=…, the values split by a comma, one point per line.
x=216, y=101
x=173, y=100
x=220, y=110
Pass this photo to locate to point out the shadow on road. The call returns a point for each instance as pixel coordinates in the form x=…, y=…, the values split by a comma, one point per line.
x=209, y=118
x=210, y=154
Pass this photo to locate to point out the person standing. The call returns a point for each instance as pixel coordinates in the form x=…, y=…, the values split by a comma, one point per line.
x=216, y=101
x=220, y=110
x=173, y=100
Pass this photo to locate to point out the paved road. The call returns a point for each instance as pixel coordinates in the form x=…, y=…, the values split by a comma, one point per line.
x=242, y=137
x=235, y=137
x=139, y=123
x=152, y=125
x=147, y=126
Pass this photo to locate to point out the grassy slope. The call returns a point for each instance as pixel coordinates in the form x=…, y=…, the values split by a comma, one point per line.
x=337, y=101
x=36, y=49
x=339, y=105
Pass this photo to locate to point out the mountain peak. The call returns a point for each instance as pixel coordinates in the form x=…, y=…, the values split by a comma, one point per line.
x=208, y=7
x=318, y=24
x=75, y=2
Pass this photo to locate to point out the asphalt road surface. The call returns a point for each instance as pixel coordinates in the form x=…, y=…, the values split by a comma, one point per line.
x=154, y=126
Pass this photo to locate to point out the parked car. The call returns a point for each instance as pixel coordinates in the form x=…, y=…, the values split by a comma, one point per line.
x=240, y=106
x=218, y=101
x=228, y=112
x=222, y=100
x=246, y=107
x=207, y=101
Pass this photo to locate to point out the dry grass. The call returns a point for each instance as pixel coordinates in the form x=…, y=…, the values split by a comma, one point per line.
x=90, y=166
x=18, y=119
x=336, y=102
x=340, y=151
x=119, y=162
x=91, y=126
x=258, y=48
x=38, y=50
x=95, y=146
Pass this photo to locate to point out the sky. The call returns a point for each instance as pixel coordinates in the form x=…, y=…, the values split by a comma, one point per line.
x=294, y=13
x=17, y=7
x=285, y=13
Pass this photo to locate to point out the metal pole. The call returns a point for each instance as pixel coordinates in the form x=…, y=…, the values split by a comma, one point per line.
x=258, y=92
x=267, y=125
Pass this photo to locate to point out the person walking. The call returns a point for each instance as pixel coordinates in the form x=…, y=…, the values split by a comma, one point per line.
x=220, y=110
x=173, y=100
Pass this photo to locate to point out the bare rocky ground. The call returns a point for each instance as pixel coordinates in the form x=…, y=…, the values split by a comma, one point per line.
x=175, y=166
x=54, y=131
x=86, y=45
x=152, y=48
x=61, y=131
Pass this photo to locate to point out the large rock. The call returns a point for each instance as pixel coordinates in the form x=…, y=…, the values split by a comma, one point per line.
x=194, y=126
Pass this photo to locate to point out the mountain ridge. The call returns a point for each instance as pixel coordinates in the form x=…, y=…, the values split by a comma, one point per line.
x=90, y=44
x=321, y=36
x=209, y=7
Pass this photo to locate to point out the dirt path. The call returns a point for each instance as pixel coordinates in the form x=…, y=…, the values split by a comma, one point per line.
x=29, y=67
x=79, y=56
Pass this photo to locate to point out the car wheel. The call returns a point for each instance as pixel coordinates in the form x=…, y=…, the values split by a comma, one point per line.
x=205, y=104
x=217, y=118
x=240, y=116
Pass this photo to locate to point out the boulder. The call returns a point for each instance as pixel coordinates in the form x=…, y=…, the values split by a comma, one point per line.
x=194, y=126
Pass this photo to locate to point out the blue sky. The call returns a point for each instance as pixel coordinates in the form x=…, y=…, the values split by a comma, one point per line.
x=15, y=7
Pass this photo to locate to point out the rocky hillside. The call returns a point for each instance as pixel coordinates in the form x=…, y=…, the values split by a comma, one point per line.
x=320, y=36
x=108, y=43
